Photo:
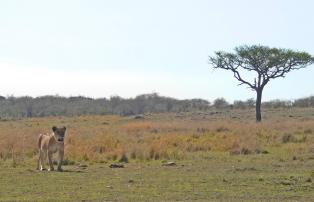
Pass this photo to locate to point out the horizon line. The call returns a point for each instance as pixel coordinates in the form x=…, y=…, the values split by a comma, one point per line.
x=133, y=97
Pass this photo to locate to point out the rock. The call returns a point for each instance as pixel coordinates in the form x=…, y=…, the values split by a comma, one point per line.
x=308, y=180
x=139, y=117
x=83, y=166
x=116, y=165
x=170, y=163
x=286, y=182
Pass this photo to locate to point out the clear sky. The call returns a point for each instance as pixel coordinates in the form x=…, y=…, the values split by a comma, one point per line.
x=100, y=48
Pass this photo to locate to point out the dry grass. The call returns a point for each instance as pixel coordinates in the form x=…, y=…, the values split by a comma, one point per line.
x=160, y=136
x=222, y=156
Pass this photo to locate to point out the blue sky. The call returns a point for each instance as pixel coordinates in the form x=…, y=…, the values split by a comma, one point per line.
x=103, y=48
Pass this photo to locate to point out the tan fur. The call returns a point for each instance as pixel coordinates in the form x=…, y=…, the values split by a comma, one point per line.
x=48, y=144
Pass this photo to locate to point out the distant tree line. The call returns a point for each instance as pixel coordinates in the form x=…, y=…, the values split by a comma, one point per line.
x=147, y=103
x=72, y=106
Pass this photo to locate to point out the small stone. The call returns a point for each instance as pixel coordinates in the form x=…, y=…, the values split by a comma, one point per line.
x=170, y=163
x=83, y=166
x=285, y=182
x=116, y=165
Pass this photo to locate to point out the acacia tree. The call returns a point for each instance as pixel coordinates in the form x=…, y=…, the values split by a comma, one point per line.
x=266, y=63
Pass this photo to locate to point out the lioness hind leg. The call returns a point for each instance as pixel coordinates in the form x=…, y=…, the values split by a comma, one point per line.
x=42, y=160
x=39, y=159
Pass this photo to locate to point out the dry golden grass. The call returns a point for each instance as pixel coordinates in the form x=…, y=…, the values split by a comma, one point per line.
x=220, y=156
x=159, y=136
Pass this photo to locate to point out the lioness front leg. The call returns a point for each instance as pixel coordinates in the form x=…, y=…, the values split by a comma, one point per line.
x=51, y=168
x=61, y=154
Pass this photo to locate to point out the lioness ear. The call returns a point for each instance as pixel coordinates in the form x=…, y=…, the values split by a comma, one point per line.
x=54, y=128
x=64, y=128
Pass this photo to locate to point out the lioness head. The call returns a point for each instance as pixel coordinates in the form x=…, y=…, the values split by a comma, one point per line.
x=59, y=133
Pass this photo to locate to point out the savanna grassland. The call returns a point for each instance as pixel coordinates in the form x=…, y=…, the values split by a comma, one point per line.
x=218, y=155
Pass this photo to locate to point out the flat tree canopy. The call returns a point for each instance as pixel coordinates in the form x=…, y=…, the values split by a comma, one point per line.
x=268, y=63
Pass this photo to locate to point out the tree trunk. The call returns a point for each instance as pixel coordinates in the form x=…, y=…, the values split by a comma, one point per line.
x=259, y=92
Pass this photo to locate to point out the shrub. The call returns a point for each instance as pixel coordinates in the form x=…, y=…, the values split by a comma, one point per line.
x=124, y=159
x=287, y=138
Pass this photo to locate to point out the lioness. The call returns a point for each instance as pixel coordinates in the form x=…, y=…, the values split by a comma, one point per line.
x=49, y=144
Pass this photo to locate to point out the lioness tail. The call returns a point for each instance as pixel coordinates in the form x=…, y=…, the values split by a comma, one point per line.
x=39, y=140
